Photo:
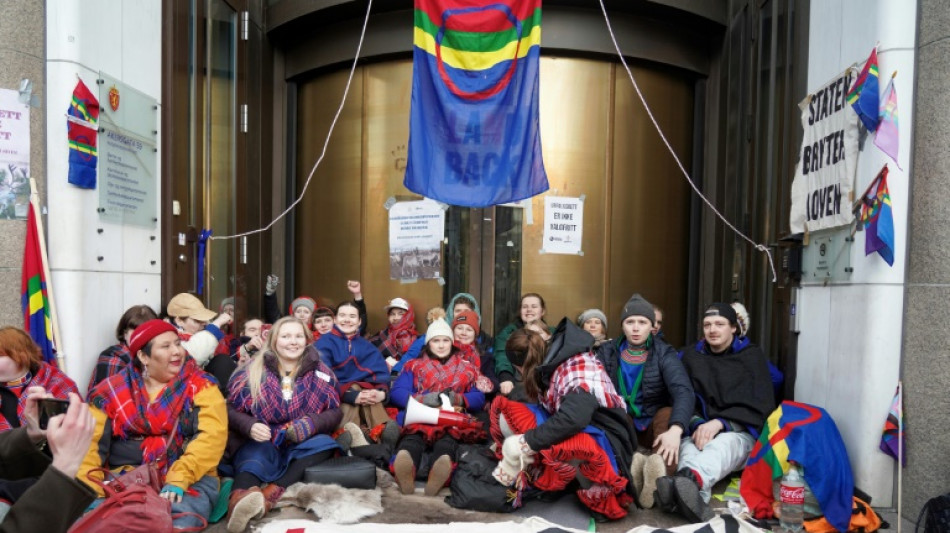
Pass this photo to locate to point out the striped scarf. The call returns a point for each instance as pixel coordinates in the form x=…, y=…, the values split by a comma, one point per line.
x=124, y=398
x=397, y=338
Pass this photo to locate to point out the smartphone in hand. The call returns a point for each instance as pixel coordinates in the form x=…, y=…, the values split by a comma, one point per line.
x=50, y=407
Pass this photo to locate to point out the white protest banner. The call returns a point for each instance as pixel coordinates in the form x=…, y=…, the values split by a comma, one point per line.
x=416, y=230
x=563, y=225
x=14, y=155
x=824, y=178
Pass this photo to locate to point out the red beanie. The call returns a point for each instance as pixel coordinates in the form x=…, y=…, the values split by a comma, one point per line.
x=146, y=332
x=466, y=317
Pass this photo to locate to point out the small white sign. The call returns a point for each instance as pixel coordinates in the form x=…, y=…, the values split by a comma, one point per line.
x=416, y=231
x=563, y=225
x=14, y=155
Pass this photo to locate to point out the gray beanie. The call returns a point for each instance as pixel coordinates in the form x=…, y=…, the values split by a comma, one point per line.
x=638, y=306
x=592, y=313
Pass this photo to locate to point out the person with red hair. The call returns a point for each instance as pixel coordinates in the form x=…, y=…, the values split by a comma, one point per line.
x=22, y=367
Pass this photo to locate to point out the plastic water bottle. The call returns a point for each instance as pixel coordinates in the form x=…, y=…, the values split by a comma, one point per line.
x=792, y=494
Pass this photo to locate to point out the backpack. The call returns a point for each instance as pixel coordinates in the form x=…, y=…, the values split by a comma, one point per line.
x=936, y=515
x=863, y=520
x=133, y=507
x=473, y=486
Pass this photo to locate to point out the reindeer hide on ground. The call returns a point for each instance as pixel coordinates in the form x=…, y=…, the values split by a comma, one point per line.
x=333, y=503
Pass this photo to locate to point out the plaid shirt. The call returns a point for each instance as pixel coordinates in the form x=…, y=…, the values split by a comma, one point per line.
x=585, y=372
x=111, y=361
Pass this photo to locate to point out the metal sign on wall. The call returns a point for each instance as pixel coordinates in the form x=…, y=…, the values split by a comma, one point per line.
x=128, y=155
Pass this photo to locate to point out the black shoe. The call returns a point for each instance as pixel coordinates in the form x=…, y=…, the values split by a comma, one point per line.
x=688, y=500
x=663, y=496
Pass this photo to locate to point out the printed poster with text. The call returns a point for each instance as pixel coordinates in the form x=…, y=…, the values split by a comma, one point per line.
x=416, y=230
x=563, y=225
x=824, y=178
x=14, y=155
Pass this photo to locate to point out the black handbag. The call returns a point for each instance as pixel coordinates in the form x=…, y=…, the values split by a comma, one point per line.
x=935, y=515
x=346, y=471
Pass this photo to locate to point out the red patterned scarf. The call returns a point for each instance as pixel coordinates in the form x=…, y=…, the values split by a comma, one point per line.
x=469, y=353
x=124, y=399
x=50, y=378
x=396, y=339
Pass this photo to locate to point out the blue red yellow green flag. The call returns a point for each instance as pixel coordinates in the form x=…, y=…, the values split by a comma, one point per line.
x=34, y=299
x=474, y=134
x=82, y=131
x=863, y=95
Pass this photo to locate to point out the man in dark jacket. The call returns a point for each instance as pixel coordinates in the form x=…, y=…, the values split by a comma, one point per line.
x=734, y=397
x=57, y=499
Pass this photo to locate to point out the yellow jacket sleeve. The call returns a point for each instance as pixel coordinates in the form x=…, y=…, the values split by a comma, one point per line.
x=95, y=459
x=203, y=453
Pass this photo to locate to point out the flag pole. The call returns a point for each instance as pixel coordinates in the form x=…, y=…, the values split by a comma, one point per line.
x=57, y=339
x=900, y=453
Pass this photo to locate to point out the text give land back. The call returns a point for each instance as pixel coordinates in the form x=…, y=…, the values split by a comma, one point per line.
x=824, y=177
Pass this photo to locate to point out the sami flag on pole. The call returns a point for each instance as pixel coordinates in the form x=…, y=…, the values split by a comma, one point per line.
x=893, y=435
x=474, y=138
x=887, y=137
x=82, y=130
x=807, y=435
x=878, y=219
x=863, y=95
x=36, y=308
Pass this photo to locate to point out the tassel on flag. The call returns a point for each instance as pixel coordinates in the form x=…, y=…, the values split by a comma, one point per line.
x=878, y=219
x=887, y=136
x=892, y=440
x=863, y=95
x=82, y=129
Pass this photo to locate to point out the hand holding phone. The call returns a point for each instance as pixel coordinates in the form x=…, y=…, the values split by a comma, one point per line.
x=50, y=407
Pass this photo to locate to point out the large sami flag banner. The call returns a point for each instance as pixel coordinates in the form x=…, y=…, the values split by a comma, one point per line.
x=807, y=435
x=82, y=130
x=36, y=308
x=474, y=138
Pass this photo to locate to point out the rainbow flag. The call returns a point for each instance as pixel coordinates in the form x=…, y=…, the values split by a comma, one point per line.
x=863, y=95
x=34, y=301
x=474, y=137
x=878, y=219
x=894, y=430
x=887, y=137
x=807, y=435
x=82, y=131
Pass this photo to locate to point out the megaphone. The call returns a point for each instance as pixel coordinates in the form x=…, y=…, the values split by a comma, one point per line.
x=417, y=413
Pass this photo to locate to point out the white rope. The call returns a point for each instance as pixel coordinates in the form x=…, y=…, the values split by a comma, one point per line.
x=323, y=153
x=759, y=247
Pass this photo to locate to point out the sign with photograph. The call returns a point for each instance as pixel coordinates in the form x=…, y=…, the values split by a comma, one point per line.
x=14, y=155
x=563, y=225
x=128, y=184
x=416, y=231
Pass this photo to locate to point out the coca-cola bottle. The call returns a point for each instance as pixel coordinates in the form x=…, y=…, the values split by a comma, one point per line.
x=792, y=495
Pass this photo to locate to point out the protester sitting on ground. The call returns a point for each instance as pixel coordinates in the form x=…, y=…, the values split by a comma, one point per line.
x=201, y=336
x=649, y=376
x=305, y=307
x=284, y=406
x=778, y=378
x=396, y=338
x=658, y=323
x=227, y=308
x=431, y=315
x=440, y=370
x=55, y=498
x=531, y=317
x=464, y=301
x=250, y=341
x=730, y=378
x=578, y=429
x=161, y=408
x=322, y=321
x=114, y=358
x=22, y=367
x=594, y=321
x=363, y=378
x=465, y=330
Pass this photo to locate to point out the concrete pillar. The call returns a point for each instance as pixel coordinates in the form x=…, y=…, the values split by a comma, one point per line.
x=926, y=343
